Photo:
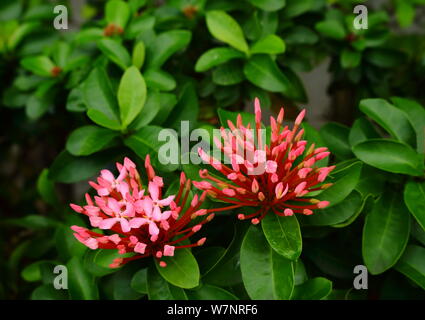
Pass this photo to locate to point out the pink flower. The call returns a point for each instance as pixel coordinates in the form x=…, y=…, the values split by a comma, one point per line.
x=139, y=223
x=288, y=172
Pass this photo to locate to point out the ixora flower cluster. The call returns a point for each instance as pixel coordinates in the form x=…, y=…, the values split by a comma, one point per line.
x=139, y=219
x=289, y=174
x=141, y=222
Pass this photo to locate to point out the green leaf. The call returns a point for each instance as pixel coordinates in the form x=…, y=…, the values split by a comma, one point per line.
x=81, y=284
x=345, y=182
x=166, y=44
x=266, y=274
x=270, y=44
x=361, y=130
x=332, y=29
x=158, y=79
x=262, y=71
x=215, y=57
x=75, y=100
x=69, y=169
x=88, y=139
x=115, y=52
x=139, y=282
x=121, y=283
x=42, y=100
x=335, y=136
x=48, y=292
x=39, y=65
x=228, y=74
x=405, y=13
x=384, y=58
x=159, y=289
x=149, y=112
x=146, y=141
x=416, y=115
x=187, y=108
x=412, y=264
x=283, y=234
x=414, y=198
x=100, y=100
x=339, y=213
x=117, y=12
x=386, y=232
x=32, y=221
x=392, y=119
x=209, y=292
x=299, y=34
x=268, y=5
x=390, y=155
x=182, y=269
x=139, y=25
x=66, y=244
x=350, y=59
x=138, y=56
x=224, y=28
x=20, y=33
x=97, y=262
x=313, y=289
x=46, y=188
x=131, y=95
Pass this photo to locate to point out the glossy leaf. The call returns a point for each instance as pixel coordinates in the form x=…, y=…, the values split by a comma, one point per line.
x=223, y=27
x=361, y=130
x=166, y=44
x=182, y=269
x=385, y=234
x=270, y=44
x=139, y=281
x=80, y=283
x=88, y=139
x=276, y=279
x=268, y=5
x=131, y=95
x=209, y=292
x=335, y=136
x=392, y=119
x=283, y=234
x=146, y=141
x=416, y=115
x=339, y=213
x=115, y=52
x=160, y=80
x=412, y=264
x=343, y=184
x=100, y=100
x=390, y=155
x=117, y=12
x=215, y=57
x=262, y=71
x=160, y=289
x=313, y=289
x=414, y=198
x=68, y=169
x=39, y=65
x=138, y=55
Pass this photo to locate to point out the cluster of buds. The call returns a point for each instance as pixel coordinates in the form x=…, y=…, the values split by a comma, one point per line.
x=138, y=219
x=275, y=176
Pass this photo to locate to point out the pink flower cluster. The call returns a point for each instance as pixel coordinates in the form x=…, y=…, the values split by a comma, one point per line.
x=288, y=174
x=139, y=220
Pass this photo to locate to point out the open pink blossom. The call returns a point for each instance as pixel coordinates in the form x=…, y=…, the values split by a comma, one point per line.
x=139, y=222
